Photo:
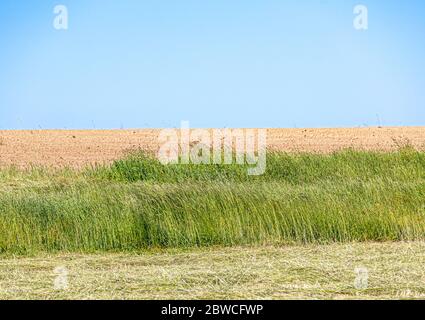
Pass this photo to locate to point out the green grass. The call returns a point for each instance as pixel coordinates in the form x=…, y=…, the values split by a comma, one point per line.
x=137, y=203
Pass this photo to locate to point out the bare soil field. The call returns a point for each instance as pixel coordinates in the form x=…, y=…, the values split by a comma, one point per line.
x=77, y=148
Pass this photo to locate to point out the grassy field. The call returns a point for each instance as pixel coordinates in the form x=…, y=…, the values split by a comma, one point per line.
x=138, y=203
x=139, y=229
x=394, y=271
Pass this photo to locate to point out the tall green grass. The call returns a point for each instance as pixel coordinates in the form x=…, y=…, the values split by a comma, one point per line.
x=138, y=203
x=405, y=165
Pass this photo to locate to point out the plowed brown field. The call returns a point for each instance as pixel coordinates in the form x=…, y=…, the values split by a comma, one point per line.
x=77, y=148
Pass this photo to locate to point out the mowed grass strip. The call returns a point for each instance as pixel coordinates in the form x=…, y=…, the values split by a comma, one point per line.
x=137, y=203
x=391, y=270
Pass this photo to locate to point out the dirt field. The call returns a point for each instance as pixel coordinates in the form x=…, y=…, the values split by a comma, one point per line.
x=78, y=148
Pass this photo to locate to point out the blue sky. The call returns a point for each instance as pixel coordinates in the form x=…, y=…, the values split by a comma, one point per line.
x=221, y=63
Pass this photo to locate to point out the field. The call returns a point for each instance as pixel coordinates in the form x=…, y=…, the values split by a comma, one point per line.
x=125, y=226
x=288, y=272
x=76, y=148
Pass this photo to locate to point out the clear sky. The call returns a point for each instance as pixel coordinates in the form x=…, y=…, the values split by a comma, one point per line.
x=215, y=63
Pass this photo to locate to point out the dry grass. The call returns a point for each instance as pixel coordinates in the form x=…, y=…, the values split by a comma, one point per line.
x=294, y=272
